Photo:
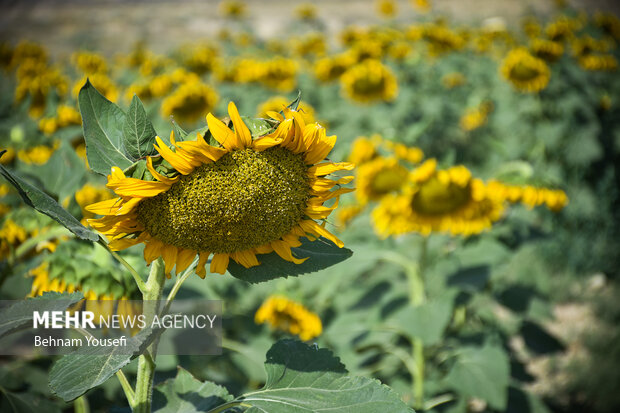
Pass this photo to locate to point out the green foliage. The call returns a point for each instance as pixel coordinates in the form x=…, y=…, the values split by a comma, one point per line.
x=104, y=124
x=43, y=203
x=321, y=254
x=20, y=314
x=89, y=366
x=138, y=132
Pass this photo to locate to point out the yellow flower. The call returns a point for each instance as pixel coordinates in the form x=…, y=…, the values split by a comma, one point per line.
x=309, y=45
x=246, y=197
x=379, y=177
x=369, y=81
x=199, y=58
x=399, y=50
x=27, y=51
x=331, y=68
x=364, y=149
x=189, y=102
x=346, y=213
x=233, y=8
x=89, y=63
x=449, y=200
x=526, y=72
x=452, y=80
x=406, y=153
x=11, y=236
x=37, y=155
x=562, y=29
x=279, y=103
x=80, y=150
x=8, y=156
x=386, y=8
x=593, y=62
x=423, y=6
x=476, y=117
x=441, y=39
x=90, y=194
x=279, y=73
x=284, y=314
x=531, y=196
x=306, y=11
x=547, y=50
x=609, y=23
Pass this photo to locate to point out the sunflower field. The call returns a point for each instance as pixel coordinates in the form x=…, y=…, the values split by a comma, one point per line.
x=412, y=215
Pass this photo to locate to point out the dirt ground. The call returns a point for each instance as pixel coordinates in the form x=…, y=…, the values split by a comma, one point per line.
x=114, y=25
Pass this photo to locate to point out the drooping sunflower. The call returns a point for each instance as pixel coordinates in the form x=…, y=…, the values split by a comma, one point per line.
x=379, y=177
x=284, y=314
x=369, y=81
x=241, y=198
x=448, y=200
x=526, y=72
x=547, y=50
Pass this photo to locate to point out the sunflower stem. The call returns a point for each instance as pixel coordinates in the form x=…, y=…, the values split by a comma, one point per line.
x=417, y=298
x=146, y=362
x=139, y=282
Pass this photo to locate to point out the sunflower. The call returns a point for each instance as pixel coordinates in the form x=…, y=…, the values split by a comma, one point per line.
x=236, y=200
x=605, y=62
x=449, y=200
x=547, y=50
x=89, y=63
x=526, y=72
x=369, y=81
x=290, y=316
x=379, y=177
x=476, y=117
x=189, y=101
x=387, y=8
x=331, y=68
x=364, y=149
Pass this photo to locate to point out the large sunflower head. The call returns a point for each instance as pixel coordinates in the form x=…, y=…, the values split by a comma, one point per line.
x=448, y=200
x=240, y=197
x=526, y=72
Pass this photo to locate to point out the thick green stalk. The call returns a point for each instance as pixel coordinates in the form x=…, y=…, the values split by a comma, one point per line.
x=417, y=297
x=80, y=405
x=146, y=365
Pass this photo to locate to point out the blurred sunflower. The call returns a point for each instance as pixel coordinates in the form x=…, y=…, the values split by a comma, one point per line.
x=233, y=9
x=243, y=198
x=606, y=62
x=379, y=177
x=331, y=68
x=306, y=11
x=476, y=117
x=547, y=50
x=386, y=8
x=279, y=103
x=89, y=63
x=189, y=102
x=526, y=72
x=287, y=315
x=449, y=200
x=37, y=155
x=279, y=73
x=369, y=81
x=102, y=82
x=452, y=80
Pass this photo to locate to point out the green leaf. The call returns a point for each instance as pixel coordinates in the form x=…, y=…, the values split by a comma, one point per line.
x=294, y=104
x=76, y=373
x=185, y=394
x=427, y=321
x=321, y=254
x=43, y=203
x=61, y=174
x=302, y=378
x=257, y=127
x=103, y=131
x=138, y=132
x=25, y=403
x=20, y=314
x=482, y=372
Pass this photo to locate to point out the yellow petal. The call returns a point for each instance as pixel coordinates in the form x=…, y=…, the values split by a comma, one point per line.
x=175, y=160
x=313, y=228
x=246, y=258
x=219, y=263
x=284, y=251
x=169, y=254
x=152, y=251
x=202, y=260
x=138, y=188
x=327, y=168
x=221, y=133
x=241, y=130
x=184, y=259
